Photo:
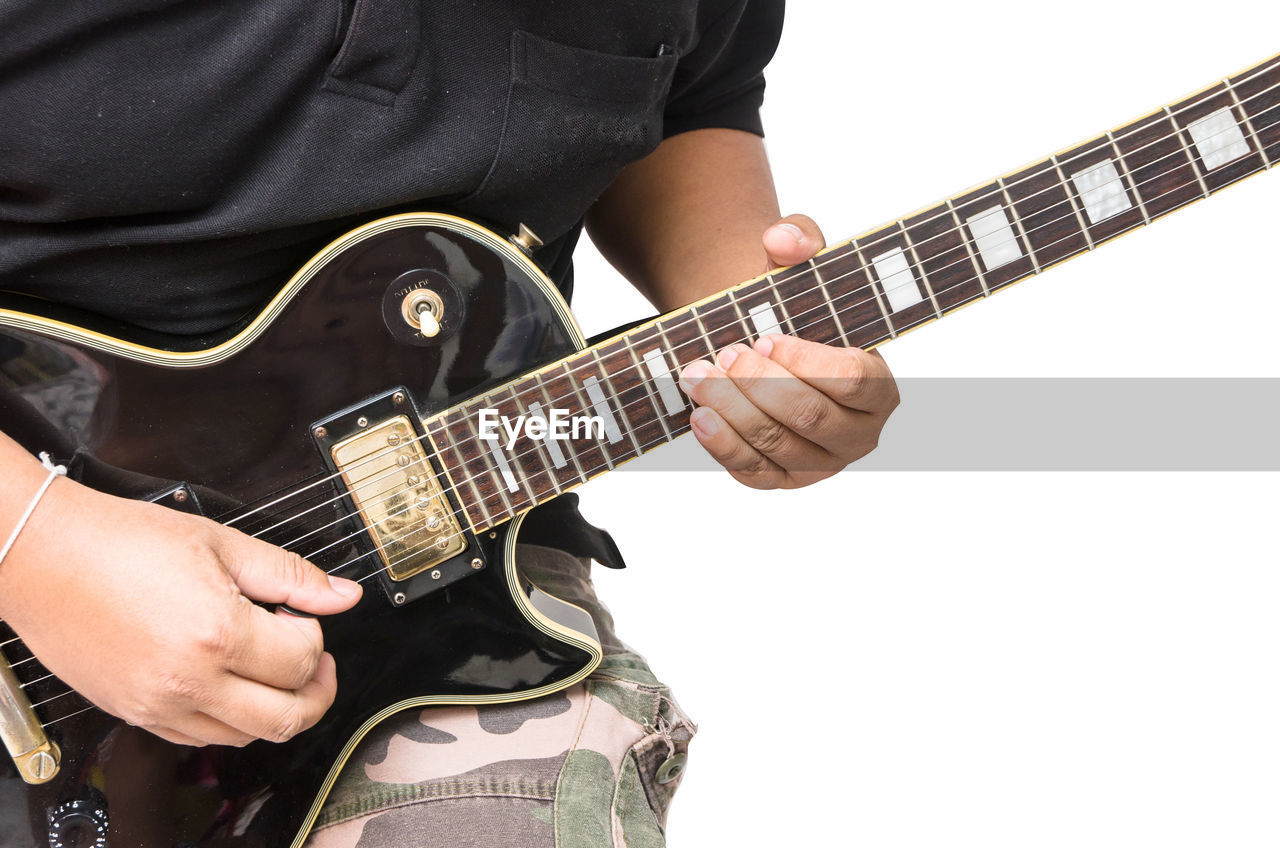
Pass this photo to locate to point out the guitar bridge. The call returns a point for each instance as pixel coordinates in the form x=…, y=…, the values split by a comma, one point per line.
x=37, y=758
x=394, y=486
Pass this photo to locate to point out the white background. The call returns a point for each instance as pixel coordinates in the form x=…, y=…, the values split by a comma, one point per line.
x=924, y=659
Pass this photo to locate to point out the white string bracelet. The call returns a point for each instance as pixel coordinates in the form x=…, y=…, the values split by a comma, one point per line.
x=54, y=471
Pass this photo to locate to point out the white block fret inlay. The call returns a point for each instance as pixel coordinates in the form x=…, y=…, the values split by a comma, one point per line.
x=765, y=320
x=896, y=279
x=1101, y=191
x=1218, y=138
x=661, y=374
x=994, y=237
x=601, y=406
x=500, y=460
x=552, y=445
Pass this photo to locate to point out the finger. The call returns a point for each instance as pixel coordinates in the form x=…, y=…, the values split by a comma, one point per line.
x=170, y=735
x=746, y=464
x=198, y=730
x=276, y=576
x=273, y=714
x=794, y=239
x=709, y=387
x=840, y=433
x=278, y=650
x=853, y=378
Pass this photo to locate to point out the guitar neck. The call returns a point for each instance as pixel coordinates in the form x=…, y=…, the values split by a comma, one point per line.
x=862, y=292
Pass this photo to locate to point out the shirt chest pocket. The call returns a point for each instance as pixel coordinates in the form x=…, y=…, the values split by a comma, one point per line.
x=574, y=119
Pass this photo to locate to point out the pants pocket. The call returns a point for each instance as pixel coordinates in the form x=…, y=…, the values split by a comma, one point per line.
x=656, y=763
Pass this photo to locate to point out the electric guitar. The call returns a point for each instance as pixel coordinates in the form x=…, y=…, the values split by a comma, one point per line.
x=351, y=420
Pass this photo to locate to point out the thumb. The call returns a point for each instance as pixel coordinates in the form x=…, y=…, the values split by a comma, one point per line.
x=275, y=576
x=794, y=239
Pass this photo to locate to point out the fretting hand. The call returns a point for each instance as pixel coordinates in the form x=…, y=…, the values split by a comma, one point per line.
x=784, y=412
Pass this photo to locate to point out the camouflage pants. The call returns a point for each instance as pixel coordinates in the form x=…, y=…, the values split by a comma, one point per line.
x=594, y=766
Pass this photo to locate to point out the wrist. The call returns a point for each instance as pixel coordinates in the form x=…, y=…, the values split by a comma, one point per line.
x=33, y=493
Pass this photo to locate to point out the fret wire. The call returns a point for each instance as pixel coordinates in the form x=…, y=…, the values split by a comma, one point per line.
x=676, y=364
x=541, y=451
x=846, y=308
x=1248, y=123
x=968, y=248
x=967, y=281
x=882, y=338
x=1065, y=185
x=522, y=477
x=1075, y=207
x=487, y=462
x=924, y=278
x=742, y=321
x=1261, y=70
x=826, y=296
x=1187, y=150
x=875, y=291
x=1124, y=166
x=702, y=331
x=444, y=467
x=568, y=445
x=1129, y=229
x=585, y=405
x=1017, y=222
x=653, y=401
x=468, y=477
x=617, y=400
x=665, y=343
x=1057, y=164
x=778, y=299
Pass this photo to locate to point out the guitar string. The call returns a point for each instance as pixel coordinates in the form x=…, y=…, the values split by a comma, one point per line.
x=1210, y=95
x=682, y=428
x=645, y=400
x=1196, y=101
x=918, y=266
x=1193, y=103
x=793, y=320
x=72, y=715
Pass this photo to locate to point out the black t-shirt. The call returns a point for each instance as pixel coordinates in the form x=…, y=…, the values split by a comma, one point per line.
x=170, y=163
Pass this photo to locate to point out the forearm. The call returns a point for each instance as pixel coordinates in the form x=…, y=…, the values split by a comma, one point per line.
x=23, y=475
x=685, y=222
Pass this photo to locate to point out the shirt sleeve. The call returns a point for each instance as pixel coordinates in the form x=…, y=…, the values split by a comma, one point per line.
x=720, y=83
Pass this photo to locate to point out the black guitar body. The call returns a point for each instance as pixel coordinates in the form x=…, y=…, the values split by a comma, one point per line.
x=228, y=427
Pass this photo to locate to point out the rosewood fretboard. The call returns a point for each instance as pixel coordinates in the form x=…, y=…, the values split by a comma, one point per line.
x=867, y=290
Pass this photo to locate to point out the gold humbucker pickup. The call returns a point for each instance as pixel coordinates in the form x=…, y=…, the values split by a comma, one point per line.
x=393, y=485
